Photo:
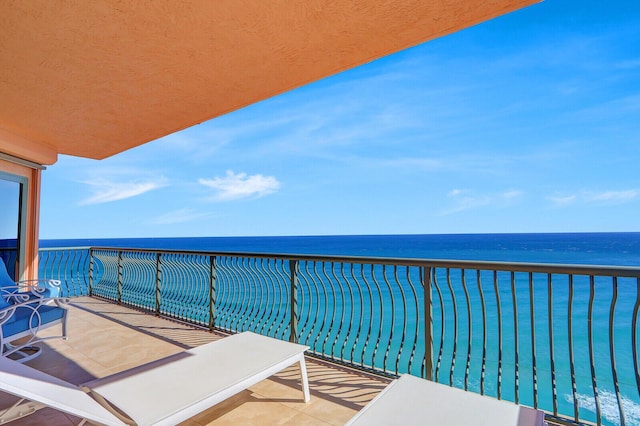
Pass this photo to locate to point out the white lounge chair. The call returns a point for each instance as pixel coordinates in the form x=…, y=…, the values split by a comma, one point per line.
x=413, y=401
x=163, y=392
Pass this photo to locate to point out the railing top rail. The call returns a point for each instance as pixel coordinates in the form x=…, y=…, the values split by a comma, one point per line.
x=550, y=268
x=64, y=248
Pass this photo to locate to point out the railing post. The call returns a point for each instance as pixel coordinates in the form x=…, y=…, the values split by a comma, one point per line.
x=119, y=276
x=91, y=271
x=293, y=268
x=212, y=292
x=158, y=281
x=428, y=323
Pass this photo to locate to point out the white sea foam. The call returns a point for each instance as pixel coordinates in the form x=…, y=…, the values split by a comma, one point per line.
x=609, y=407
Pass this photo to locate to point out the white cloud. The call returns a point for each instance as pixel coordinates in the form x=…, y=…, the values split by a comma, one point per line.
x=179, y=216
x=611, y=196
x=509, y=195
x=602, y=197
x=235, y=186
x=562, y=200
x=465, y=200
x=105, y=190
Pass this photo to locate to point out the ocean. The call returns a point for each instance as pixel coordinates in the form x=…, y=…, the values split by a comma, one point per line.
x=615, y=249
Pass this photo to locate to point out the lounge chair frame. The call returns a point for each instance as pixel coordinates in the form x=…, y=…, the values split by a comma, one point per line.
x=163, y=392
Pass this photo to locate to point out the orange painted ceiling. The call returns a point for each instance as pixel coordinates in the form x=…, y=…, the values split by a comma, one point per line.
x=95, y=78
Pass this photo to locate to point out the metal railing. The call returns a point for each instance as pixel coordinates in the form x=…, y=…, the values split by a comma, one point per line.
x=560, y=338
x=70, y=265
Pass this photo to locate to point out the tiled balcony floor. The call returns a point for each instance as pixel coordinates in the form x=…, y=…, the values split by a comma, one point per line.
x=105, y=338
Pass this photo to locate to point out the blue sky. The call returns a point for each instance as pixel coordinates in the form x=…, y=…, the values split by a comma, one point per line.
x=526, y=123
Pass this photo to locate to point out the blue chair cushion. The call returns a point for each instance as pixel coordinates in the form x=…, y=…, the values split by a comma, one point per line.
x=19, y=322
x=5, y=281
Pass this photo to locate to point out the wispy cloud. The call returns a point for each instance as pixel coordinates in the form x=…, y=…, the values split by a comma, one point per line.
x=468, y=200
x=562, y=200
x=179, y=216
x=593, y=197
x=465, y=200
x=512, y=194
x=234, y=186
x=612, y=196
x=105, y=190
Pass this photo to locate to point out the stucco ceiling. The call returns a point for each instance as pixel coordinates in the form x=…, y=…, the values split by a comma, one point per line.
x=95, y=78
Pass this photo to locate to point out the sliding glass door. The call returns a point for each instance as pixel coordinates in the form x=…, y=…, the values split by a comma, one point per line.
x=12, y=219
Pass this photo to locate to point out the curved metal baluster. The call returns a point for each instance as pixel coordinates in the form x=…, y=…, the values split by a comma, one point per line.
x=266, y=288
x=496, y=289
x=469, y=330
x=574, y=388
x=305, y=281
x=596, y=395
x=339, y=286
x=371, y=317
x=484, y=332
x=234, y=294
x=415, y=335
x=284, y=278
x=197, y=290
x=251, y=300
x=238, y=269
x=325, y=305
x=516, y=332
x=404, y=317
x=554, y=390
x=434, y=280
x=358, y=286
x=264, y=284
x=332, y=294
x=271, y=300
x=224, y=292
x=455, y=328
x=247, y=299
x=533, y=342
x=58, y=262
x=350, y=309
x=380, y=300
x=393, y=317
x=614, y=370
x=304, y=300
x=634, y=339
x=314, y=300
x=274, y=313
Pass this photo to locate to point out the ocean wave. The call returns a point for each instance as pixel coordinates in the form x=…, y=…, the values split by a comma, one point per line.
x=609, y=407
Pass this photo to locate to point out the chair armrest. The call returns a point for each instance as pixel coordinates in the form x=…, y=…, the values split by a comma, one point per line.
x=30, y=294
x=53, y=287
x=33, y=289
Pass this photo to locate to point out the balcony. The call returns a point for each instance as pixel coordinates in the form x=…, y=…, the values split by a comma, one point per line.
x=559, y=338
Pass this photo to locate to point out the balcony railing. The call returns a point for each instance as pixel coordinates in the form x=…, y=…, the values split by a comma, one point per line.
x=560, y=338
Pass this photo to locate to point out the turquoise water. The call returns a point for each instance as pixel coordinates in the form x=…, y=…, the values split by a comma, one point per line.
x=622, y=249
